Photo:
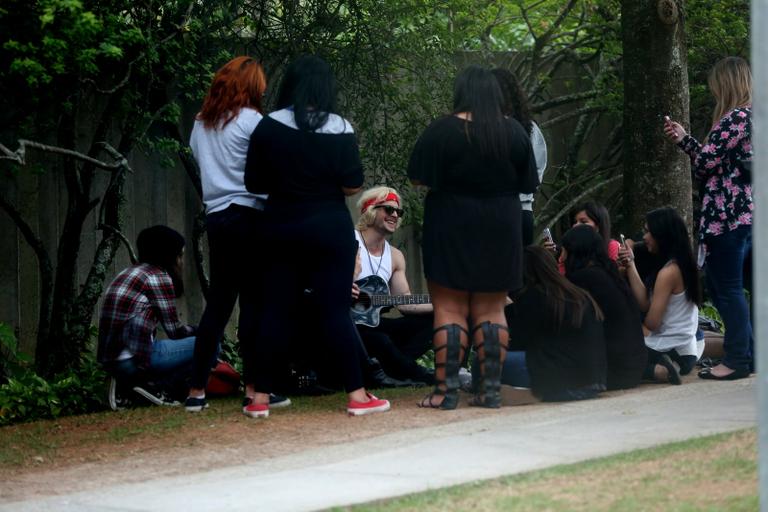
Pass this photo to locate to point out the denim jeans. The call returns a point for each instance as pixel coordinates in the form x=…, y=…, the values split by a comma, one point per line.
x=725, y=282
x=514, y=372
x=170, y=365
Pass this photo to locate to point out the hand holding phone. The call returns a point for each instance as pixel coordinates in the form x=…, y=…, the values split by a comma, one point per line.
x=622, y=240
x=549, y=242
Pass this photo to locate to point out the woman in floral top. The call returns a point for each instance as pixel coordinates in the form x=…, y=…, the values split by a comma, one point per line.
x=722, y=166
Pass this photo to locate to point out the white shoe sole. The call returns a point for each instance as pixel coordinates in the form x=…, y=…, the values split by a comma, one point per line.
x=257, y=414
x=152, y=398
x=370, y=410
x=277, y=405
x=112, y=394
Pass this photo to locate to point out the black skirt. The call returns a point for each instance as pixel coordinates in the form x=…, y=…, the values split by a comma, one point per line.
x=473, y=243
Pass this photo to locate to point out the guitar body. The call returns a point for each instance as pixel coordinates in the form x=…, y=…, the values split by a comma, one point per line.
x=363, y=311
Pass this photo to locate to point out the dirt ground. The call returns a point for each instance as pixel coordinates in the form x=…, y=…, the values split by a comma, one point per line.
x=63, y=456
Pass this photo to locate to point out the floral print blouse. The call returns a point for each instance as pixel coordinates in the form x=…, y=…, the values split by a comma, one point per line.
x=726, y=193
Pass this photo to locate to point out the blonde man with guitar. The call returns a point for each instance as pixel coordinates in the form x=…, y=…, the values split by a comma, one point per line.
x=381, y=283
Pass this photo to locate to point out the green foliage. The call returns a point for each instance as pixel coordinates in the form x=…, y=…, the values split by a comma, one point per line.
x=29, y=397
x=714, y=30
x=25, y=396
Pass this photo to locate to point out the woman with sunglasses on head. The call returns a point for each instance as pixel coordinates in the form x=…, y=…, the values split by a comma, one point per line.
x=475, y=162
x=305, y=156
x=669, y=298
x=723, y=167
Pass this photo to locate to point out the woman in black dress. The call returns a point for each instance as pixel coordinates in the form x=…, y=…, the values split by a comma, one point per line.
x=475, y=162
x=306, y=158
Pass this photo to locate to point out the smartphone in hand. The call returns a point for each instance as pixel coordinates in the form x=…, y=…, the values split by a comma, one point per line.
x=547, y=235
x=622, y=240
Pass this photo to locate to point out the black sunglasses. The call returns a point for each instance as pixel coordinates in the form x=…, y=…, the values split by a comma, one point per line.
x=389, y=210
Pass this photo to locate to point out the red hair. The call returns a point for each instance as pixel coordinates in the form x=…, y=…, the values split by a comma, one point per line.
x=238, y=83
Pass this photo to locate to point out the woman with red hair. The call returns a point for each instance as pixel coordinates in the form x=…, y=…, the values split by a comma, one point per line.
x=231, y=111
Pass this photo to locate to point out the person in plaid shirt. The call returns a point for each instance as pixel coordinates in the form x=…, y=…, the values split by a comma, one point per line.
x=139, y=299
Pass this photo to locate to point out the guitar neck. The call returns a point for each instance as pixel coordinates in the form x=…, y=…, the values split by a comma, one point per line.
x=400, y=300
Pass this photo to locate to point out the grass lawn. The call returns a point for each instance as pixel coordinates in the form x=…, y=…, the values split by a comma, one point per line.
x=716, y=473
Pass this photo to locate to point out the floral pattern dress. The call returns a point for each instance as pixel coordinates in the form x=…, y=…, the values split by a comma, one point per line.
x=726, y=193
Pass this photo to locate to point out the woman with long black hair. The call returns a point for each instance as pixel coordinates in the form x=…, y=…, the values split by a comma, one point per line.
x=305, y=156
x=557, y=346
x=475, y=162
x=516, y=106
x=670, y=297
x=588, y=266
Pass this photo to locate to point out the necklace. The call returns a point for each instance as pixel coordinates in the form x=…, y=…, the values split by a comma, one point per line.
x=368, y=253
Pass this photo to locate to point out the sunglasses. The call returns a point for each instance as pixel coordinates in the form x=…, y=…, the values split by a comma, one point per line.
x=389, y=210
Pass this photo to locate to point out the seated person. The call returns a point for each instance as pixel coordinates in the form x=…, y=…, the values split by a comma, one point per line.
x=588, y=266
x=596, y=216
x=138, y=299
x=556, y=337
x=669, y=296
x=395, y=342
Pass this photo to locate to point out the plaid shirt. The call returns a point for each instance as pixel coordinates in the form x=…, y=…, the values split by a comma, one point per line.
x=140, y=297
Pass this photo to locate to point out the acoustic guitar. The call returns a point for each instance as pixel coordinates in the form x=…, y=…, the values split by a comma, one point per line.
x=374, y=296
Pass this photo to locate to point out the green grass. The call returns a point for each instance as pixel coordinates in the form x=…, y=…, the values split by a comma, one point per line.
x=710, y=473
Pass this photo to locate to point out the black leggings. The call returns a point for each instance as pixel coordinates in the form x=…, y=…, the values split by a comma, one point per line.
x=686, y=363
x=314, y=253
x=235, y=251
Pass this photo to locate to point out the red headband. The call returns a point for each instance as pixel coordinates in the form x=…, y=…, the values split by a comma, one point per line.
x=373, y=201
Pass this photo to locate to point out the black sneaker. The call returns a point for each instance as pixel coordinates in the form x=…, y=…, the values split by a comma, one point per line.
x=116, y=399
x=277, y=401
x=195, y=404
x=155, y=396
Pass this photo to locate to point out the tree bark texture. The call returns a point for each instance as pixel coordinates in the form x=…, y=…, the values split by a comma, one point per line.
x=656, y=172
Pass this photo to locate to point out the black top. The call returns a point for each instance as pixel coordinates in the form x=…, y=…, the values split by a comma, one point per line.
x=625, y=344
x=558, y=360
x=299, y=168
x=445, y=160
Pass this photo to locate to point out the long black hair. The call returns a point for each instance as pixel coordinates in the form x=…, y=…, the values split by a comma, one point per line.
x=161, y=246
x=540, y=272
x=586, y=248
x=477, y=91
x=671, y=235
x=599, y=215
x=515, y=100
x=310, y=88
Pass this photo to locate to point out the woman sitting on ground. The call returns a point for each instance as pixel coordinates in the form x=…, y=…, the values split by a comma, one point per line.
x=558, y=325
x=138, y=299
x=588, y=266
x=596, y=216
x=670, y=296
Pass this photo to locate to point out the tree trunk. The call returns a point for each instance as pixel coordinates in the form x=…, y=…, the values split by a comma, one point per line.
x=656, y=172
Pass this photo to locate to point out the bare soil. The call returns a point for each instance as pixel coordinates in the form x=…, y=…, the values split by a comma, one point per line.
x=62, y=456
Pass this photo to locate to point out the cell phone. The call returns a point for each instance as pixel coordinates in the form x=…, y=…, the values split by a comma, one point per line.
x=547, y=234
x=622, y=240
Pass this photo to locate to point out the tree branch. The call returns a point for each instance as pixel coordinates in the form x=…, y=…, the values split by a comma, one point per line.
x=19, y=156
x=573, y=202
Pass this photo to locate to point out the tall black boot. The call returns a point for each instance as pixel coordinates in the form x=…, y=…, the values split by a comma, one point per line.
x=448, y=385
x=490, y=384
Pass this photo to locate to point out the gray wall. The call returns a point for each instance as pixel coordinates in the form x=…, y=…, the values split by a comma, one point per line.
x=154, y=195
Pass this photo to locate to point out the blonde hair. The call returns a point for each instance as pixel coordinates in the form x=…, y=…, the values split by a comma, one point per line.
x=373, y=196
x=730, y=81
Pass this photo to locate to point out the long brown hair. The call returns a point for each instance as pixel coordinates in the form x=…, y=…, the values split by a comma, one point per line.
x=730, y=81
x=540, y=271
x=237, y=84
